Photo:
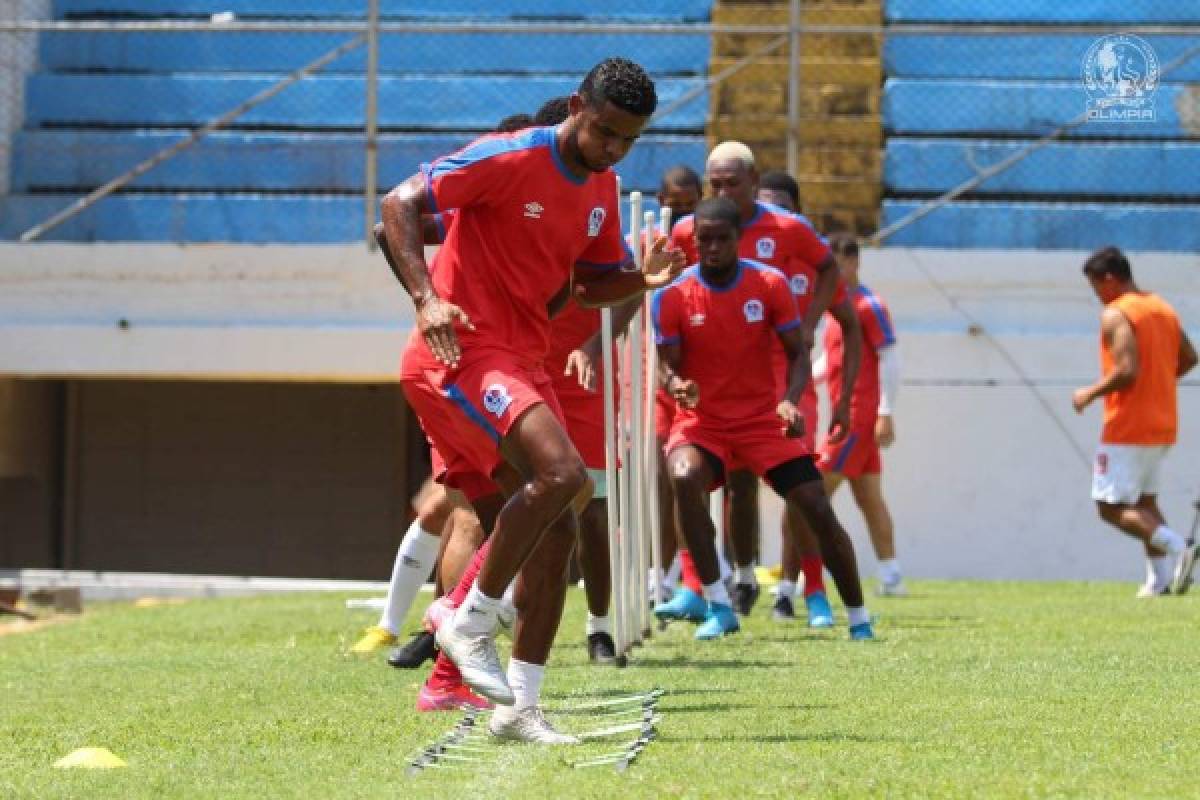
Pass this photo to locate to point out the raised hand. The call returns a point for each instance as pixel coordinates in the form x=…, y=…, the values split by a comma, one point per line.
x=660, y=266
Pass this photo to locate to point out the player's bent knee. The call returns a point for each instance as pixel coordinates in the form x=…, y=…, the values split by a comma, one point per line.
x=564, y=480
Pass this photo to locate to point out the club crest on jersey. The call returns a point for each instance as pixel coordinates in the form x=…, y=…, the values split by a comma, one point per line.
x=595, y=221
x=765, y=247
x=799, y=284
x=496, y=399
x=753, y=310
x=534, y=209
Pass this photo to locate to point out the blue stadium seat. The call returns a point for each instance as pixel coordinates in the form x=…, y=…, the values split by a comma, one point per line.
x=291, y=169
x=1030, y=225
x=1098, y=169
x=681, y=10
x=473, y=53
x=1107, y=12
x=66, y=160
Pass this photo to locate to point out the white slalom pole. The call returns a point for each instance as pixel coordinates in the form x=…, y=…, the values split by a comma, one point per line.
x=641, y=450
x=652, y=454
x=629, y=511
x=610, y=459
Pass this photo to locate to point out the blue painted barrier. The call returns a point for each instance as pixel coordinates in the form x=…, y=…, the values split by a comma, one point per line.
x=423, y=53
x=1049, y=56
x=1022, y=108
x=584, y=9
x=71, y=160
x=412, y=102
x=248, y=218
x=1051, y=226
x=1106, y=12
x=1127, y=169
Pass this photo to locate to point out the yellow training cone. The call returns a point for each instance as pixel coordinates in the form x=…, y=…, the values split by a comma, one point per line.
x=90, y=758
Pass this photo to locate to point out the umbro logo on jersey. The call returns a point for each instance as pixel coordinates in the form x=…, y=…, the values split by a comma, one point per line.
x=534, y=210
x=753, y=310
x=696, y=320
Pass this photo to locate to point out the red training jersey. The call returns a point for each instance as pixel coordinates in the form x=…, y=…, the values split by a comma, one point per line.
x=724, y=334
x=522, y=223
x=877, y=333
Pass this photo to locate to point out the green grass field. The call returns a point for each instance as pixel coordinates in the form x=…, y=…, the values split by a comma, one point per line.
x=973, y=689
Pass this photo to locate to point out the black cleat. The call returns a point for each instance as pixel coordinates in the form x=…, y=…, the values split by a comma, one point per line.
x=745, y=595
x=601, y=649
x=783, y=611
x=419, y=649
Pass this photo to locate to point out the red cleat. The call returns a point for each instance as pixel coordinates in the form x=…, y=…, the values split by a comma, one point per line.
x=454, y=698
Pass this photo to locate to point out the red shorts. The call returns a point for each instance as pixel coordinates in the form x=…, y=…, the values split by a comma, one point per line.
x=584, y=413
x=467, y=411
x=757, y=444
x=664, y=413
x=857, y=454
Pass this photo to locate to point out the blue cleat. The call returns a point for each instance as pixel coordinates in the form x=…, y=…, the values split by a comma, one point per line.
x=820, y=615
x=720, y=621
x=685, y=604
x=861, y=632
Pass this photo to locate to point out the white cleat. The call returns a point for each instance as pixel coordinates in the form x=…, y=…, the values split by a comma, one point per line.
x=475, y=656
x=527, y=724
x=1150, y=590
x=1184, y=567
x=894, y=589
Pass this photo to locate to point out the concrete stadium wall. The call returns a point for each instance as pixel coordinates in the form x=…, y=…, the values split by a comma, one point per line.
x=985, y=481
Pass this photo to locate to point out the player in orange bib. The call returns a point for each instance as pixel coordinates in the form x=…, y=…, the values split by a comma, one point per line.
x=1143, y=354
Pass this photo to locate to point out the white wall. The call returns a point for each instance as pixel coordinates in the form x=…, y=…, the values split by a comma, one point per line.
x=983, y=482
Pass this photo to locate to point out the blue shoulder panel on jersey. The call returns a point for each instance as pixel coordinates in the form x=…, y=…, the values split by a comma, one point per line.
x=885, y=324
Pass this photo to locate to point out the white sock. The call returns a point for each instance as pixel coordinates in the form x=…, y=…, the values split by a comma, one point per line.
x=672, y=578
x=526, y=682
x=726, y=572
x=418, y=550
x=786, y=589
x=509, y=593
x=477, y=614
x=1168, y=540
x=745, y=575
x=889, y=570
x=857, y=615
x=597, y=624
x=717, y=593
x=1164, y=571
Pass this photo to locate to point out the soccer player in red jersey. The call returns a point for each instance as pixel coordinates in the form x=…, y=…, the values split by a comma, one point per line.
x=537, y=212
x=787, y=241
x=727, y=310
x=857, y=458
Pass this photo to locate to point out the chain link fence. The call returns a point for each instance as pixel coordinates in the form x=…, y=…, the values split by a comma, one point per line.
x=1006, y=123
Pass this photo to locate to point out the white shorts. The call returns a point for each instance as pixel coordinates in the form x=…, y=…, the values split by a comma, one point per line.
x=1123, y=473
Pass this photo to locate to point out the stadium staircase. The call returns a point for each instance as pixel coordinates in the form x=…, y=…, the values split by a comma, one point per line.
x=291, y=170
x=839, y=167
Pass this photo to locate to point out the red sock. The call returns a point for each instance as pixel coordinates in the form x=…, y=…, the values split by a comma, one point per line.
x=814, y=574
x=469, y=575
x=688, y=573
x=445, y=675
